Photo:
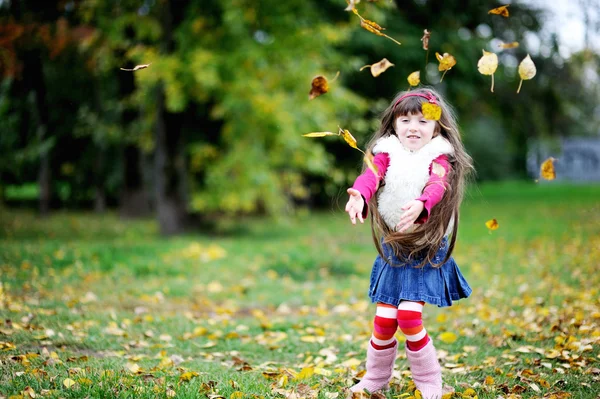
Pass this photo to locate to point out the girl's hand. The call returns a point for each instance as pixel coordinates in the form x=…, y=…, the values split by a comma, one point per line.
x=412, y=210
x=355, y=205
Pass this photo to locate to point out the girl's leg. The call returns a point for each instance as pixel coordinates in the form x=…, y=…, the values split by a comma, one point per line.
x=420, y=352
x=381, y=352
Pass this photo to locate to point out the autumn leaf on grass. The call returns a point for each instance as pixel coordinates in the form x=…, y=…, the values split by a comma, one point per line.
x=373, y=27
x=487, y=65
x=433, y=112
x=448, y=337
x=379, y=68
x=503, y=10
x=414, y=78
x=509, y=45
x=447, y=61
x=526, y=70
x=136, y=68
x=492, y=224
x=425, y=39
x=547, y=169
x=320, y=85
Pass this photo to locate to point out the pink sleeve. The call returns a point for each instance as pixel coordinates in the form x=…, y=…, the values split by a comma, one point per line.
x=434, y=189
x=367, y=182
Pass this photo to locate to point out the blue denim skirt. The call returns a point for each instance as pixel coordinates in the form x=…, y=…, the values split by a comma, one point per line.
x=403, y=281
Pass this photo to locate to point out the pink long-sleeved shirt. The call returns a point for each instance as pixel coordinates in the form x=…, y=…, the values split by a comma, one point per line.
x=433, y=192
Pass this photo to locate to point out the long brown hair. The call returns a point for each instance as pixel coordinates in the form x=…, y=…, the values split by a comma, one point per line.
x=425, y=240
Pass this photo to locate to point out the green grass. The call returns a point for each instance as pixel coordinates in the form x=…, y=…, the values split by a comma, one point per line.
x=87, y=297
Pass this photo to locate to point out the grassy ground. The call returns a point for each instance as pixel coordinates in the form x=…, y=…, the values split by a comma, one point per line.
x=93, y=306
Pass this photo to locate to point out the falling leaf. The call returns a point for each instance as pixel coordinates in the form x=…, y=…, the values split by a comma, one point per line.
x=492, y=224
x=526, y=70
x=351, y=5
x=320, y=134
x=433, y=112
x=379, y=68
x=487, y=65
x=425, y=39
x=547, y=169
x=448, y=337
x=319, y=86
x=349, y=138
x=373, y=27
x=414, y=78
x=447, y=61
x=503, y=10
x=509, y=45
x=368, y=159
x=68, y=383
x=136, y=68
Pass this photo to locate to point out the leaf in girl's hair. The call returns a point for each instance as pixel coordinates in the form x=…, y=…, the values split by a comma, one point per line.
x=487, y=65
x=503, y=10
x=527, y=70
x=425, y=39
x=319, y=86
x=368, y=158
x=492, y=224
x=509, y=45
x=432, y=112
x=414, y=78
x=348, y=138
x=351, y=5
x=547, y=169
x=379, y=68
x=320, y=134
x=447, y=61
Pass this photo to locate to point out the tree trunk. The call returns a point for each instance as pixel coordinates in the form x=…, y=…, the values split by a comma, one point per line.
x=134, y=201
x=99, y=183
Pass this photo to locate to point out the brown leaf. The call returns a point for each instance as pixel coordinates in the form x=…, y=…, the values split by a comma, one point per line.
x=503, y=10
x=319, y=86
x=379, y=68
x=136, y=68
x=425, y=39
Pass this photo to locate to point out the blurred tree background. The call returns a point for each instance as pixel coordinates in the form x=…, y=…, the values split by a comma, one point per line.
x=212, y=129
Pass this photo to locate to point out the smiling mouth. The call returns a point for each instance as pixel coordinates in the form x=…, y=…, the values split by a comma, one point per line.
x=412, y=137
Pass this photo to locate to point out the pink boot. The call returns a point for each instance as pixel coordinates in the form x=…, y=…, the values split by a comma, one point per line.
x=426, y=371
x=380, y=364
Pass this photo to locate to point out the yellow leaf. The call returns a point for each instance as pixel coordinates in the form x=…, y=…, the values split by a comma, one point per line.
x=509, y=45
x=348, y=138
x=448, y=337
x=368, y=159
x=28, y=391
x=414, y=78
x=320, y=134
x=306, y=372
x=379, y=68
x=431, y=111
x=492, y=224
x=527, y=70
x=447, y=61
x=133, y=367
x=319, y=86
x=68, y=383
x=489, y=380
x=351, y=5
x=503, y=10
x=237, y=395
x=547, y=169
x=487, y=65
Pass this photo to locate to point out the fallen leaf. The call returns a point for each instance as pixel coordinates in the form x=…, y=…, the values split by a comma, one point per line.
x=487, y=65
x=547, y=169
x=136, y=68
x=379, y=68
x=448, y=337
x=68, y=383
x=527, y=70
x=503, y=11
x=492, y=224
x=414, y=78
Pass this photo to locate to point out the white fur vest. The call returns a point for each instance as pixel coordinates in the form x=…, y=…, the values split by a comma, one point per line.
x=407, y=174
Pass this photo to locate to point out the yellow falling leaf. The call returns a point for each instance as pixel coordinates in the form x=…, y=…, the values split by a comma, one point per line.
x=492, y=224
x=527, y=70
x=320, y=134
x=448, y=337
x=319, y=86
x=368, y=159
x=447, y=61
x=414, y=78
x=487, y=65
x=547, y=169
x=68, y=383
x=509, y=45
x=351, y=5
x=503, y=11
x=431, y=111
x=349, y=138
x=379, y=68
x=373, y=27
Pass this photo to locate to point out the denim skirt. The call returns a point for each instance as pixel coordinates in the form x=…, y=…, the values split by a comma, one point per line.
x=403, y=281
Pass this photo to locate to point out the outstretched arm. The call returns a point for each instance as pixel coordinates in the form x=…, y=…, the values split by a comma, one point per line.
x=364, y=188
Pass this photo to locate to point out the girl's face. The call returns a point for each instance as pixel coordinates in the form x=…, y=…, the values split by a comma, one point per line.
x=414, y=131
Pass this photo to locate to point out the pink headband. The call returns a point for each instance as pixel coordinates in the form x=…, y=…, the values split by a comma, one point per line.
x=430, y=97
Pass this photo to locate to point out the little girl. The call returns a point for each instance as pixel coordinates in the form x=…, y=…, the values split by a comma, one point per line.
x=414, y=201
